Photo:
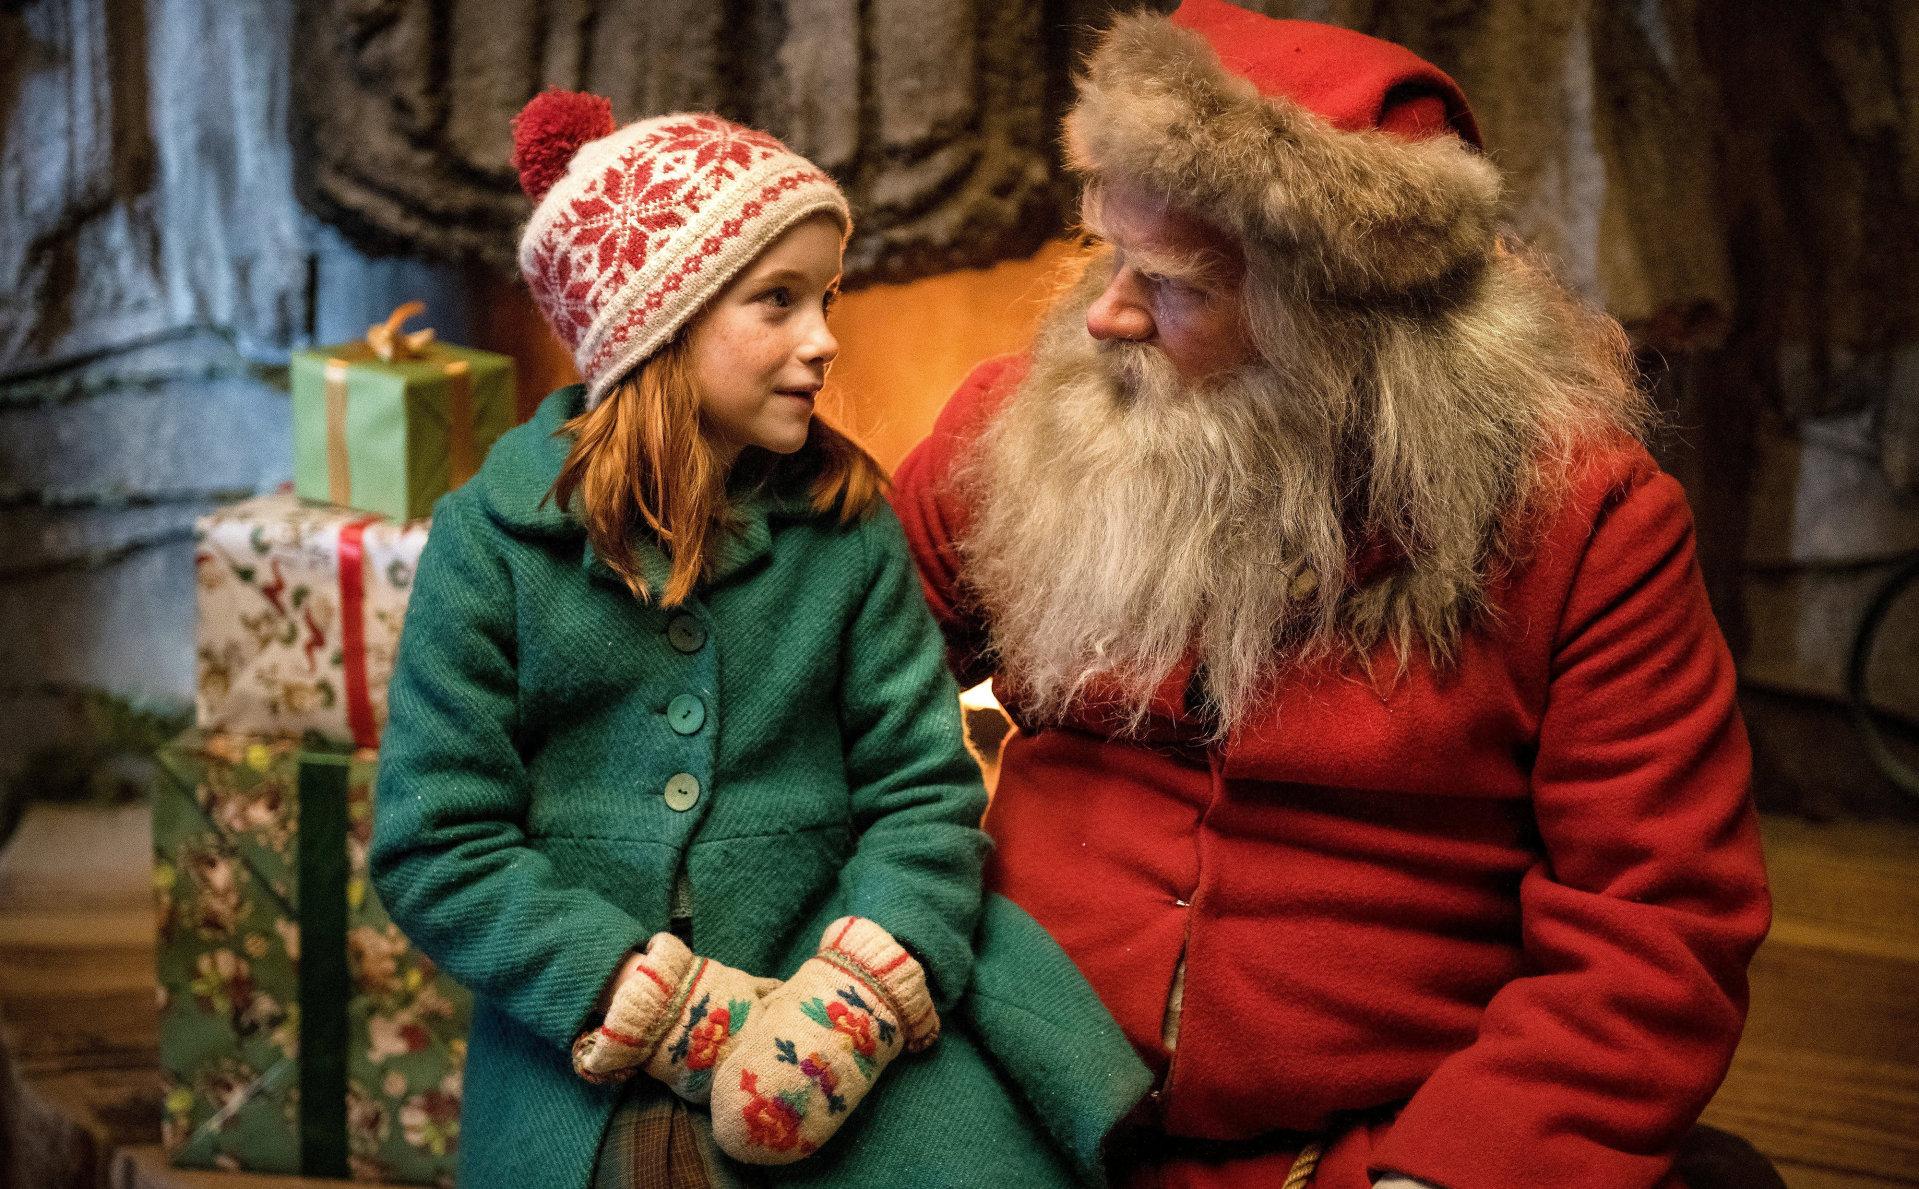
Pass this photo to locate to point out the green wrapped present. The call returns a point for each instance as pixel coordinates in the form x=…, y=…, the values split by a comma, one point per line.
x=391, y=424
x=299, y=1032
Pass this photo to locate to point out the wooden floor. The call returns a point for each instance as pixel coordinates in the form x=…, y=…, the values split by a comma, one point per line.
x=1826, y=1082
x=78, y=1016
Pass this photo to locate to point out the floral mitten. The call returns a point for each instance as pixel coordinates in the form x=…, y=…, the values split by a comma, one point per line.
x=676, y=1017
x=816, y=1045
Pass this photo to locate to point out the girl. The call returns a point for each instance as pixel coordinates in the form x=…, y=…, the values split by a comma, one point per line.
x=673, y=776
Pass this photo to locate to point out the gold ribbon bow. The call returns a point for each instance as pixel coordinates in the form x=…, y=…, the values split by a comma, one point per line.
x=387, y=341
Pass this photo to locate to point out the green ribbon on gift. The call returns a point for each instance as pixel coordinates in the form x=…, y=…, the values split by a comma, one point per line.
x=267, y=1023
x=323, y=964
x=319, y=903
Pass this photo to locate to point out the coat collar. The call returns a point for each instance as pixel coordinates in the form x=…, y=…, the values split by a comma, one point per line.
x=521, y=468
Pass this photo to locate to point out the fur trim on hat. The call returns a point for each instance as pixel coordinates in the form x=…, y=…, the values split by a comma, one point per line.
x=1355, y=214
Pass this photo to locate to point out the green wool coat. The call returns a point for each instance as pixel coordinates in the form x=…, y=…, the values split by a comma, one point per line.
x=562, y=762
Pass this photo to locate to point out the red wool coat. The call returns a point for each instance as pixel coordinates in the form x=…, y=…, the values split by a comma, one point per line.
x=1488, y=928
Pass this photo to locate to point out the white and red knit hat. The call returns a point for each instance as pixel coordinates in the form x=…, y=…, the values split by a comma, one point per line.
x=635, y=229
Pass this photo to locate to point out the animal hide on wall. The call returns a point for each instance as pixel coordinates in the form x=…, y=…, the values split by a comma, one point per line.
x=939, y=119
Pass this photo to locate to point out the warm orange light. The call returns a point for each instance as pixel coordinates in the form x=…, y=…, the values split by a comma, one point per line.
x=904, y=348
x=987, y=727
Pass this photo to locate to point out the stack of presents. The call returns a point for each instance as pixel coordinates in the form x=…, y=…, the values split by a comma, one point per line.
x=299, y=1031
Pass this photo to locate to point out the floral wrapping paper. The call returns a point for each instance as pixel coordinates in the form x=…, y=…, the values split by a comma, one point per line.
x=227, y=854
x=297, y=634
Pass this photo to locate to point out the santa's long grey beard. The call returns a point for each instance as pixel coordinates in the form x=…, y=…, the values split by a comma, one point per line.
x=1123, y=519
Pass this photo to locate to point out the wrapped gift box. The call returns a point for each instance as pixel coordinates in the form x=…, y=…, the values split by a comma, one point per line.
x=391, y=424
x=299, y=1032
x=300, y=608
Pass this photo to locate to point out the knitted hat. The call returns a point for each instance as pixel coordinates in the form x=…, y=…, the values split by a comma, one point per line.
x=1350, y=159
x=635, y=229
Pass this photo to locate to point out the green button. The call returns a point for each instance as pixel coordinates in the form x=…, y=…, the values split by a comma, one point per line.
x=686, y=714
x=682, y=792
x=686, y=633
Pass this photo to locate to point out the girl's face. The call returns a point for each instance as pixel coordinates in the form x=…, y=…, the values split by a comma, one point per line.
x=759, y=353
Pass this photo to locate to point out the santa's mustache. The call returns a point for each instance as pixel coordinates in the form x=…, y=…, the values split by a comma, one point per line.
x=1133, y=369
x=1140, y=373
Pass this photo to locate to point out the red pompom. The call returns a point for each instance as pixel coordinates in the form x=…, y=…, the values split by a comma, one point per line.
x=550, y=129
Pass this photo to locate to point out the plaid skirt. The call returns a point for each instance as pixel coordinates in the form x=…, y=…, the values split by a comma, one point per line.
x=654, y=1141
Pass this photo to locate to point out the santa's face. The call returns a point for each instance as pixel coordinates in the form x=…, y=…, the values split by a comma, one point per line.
x=1174, y=285
x=1126, y=519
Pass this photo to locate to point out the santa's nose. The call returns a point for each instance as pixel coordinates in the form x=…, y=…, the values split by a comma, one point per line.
x=1120, y=312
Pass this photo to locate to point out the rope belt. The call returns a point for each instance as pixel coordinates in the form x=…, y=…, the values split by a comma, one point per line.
x=1304, y=1165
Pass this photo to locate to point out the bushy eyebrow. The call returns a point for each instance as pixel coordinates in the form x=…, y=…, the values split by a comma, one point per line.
x=1200, y=270
x=1204, y=269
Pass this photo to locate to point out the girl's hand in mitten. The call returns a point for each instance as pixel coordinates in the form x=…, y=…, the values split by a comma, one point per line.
x=673, y=1014
x=816, y=1046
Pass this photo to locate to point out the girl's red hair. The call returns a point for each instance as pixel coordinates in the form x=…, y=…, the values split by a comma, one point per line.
x=641, y=457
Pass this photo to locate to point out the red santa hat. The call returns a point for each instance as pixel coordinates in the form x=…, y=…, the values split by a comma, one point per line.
x=635, y=229
x=1348, y=162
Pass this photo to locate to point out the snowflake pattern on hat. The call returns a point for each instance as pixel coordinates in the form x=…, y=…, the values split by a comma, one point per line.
x=649, y=223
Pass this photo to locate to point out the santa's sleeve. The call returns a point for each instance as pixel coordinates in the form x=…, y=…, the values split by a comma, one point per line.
x=933, y=512
x=1640, y=919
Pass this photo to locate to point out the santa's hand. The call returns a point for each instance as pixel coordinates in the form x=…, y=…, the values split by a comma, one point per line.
x=1399, y=1182
x=673, y=1014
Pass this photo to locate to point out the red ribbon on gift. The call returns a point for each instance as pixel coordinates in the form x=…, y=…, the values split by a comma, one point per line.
x=359, y=702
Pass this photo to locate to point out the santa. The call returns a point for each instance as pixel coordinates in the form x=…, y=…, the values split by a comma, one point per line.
x=1378, y=759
